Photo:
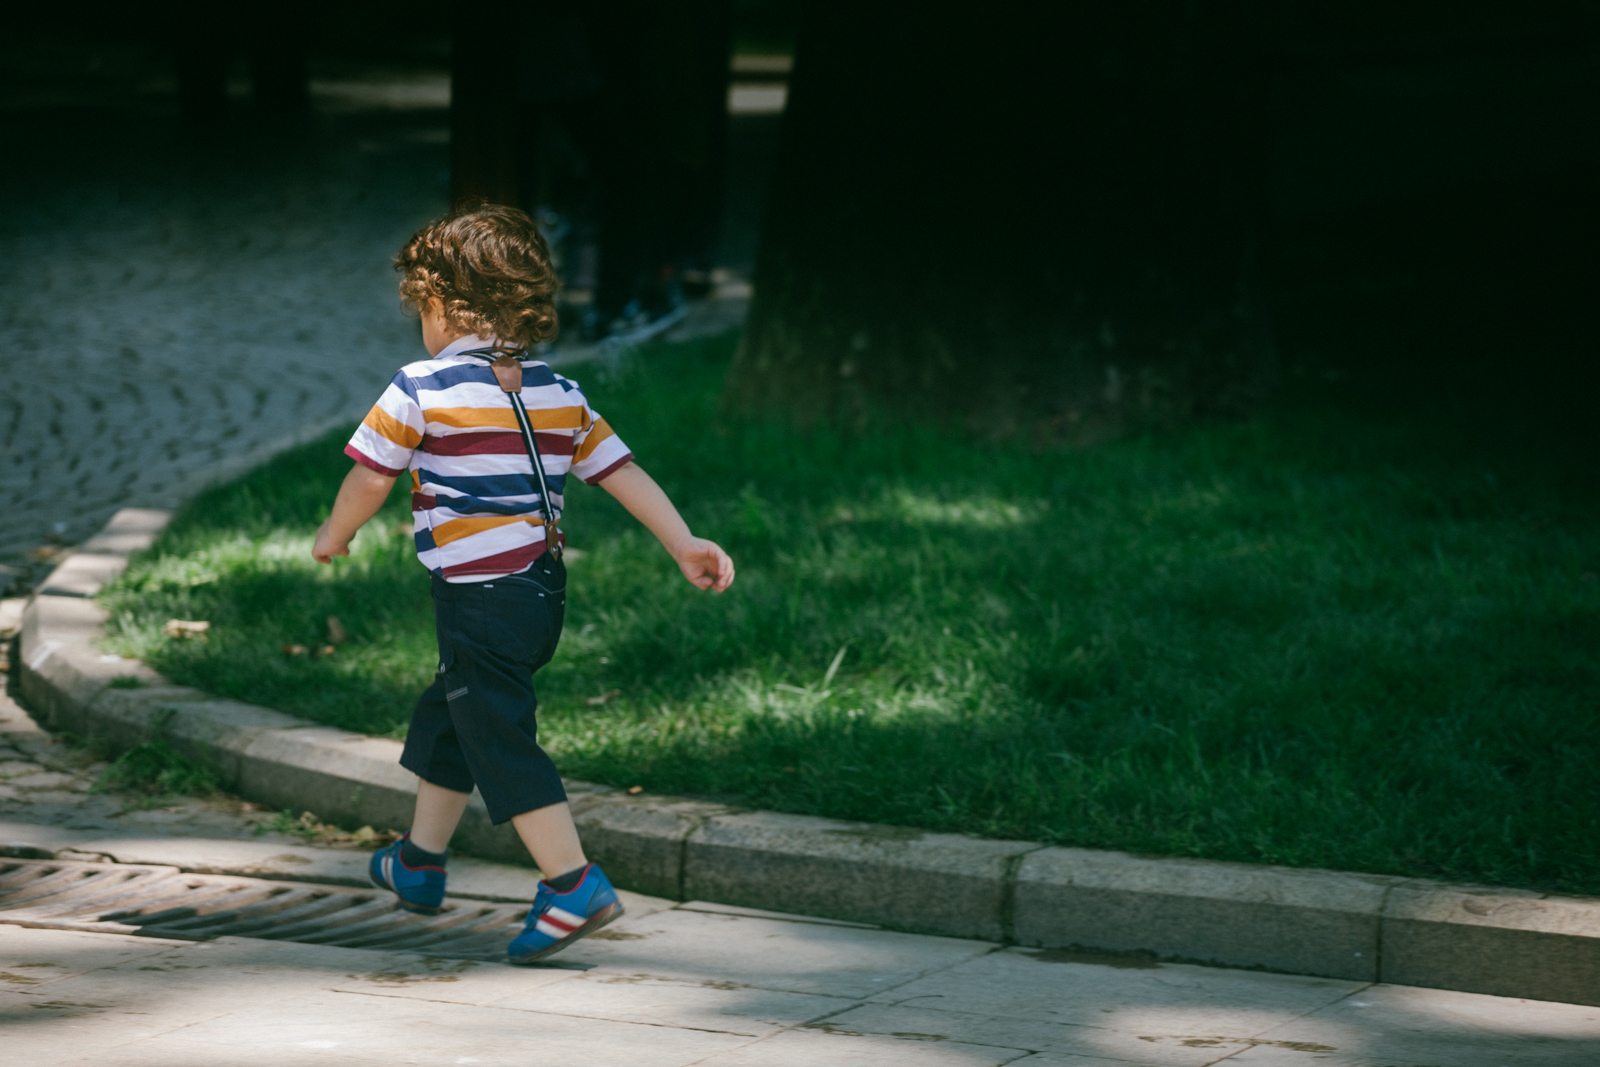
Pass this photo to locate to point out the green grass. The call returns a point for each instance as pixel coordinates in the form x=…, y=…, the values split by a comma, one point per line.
x=158, y=770
x=1318, y=638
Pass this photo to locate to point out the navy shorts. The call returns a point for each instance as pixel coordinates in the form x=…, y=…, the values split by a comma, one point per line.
x=476, y=724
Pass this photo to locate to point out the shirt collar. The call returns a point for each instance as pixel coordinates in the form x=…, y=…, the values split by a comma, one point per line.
x=466, y=344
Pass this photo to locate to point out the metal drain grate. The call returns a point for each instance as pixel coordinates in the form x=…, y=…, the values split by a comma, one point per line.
x=165, y=902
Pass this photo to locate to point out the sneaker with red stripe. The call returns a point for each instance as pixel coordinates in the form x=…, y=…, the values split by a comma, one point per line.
x=556, y=920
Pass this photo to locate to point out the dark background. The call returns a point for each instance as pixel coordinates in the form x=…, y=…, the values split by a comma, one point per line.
x=1070, y=219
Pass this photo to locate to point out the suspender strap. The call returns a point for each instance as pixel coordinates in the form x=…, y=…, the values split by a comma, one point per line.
x=508, y=372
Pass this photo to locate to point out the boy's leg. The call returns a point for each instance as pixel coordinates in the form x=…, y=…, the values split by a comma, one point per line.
x=433, y=750
x=551, y=838
x=570, y=905
x=439, y=811
x=414, y=867
x=499, y=633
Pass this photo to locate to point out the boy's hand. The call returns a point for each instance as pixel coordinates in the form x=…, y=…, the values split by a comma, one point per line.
x=704, y=563
x=325, y=549
x=362, y=494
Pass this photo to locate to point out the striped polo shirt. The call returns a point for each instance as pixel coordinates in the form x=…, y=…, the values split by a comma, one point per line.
x=474, y=496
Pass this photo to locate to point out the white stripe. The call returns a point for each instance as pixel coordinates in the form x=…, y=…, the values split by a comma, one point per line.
x=551, y=931
x=388, y=868
x=564, y=916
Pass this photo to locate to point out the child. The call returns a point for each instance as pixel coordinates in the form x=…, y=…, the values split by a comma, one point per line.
x=483, y=284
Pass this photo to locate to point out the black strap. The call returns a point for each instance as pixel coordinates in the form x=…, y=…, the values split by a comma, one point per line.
x=552, y=536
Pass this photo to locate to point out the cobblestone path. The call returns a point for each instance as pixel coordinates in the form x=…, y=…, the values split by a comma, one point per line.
x=171, y=305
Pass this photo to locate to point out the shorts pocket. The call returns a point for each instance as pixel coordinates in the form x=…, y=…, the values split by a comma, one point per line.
x=526, y=623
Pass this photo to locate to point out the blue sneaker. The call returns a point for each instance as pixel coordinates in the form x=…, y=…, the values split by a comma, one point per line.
x=419, y=888
x=556, y=920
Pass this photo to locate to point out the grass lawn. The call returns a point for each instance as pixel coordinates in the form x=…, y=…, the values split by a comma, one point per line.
x=1319, y=638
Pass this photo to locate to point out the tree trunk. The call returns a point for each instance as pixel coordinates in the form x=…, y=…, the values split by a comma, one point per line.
x=1049, y=215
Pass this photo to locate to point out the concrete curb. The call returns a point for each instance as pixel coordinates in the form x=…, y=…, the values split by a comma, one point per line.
x=1329, y=923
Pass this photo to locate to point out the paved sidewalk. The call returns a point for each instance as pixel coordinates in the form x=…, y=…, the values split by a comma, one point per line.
x=701, y=985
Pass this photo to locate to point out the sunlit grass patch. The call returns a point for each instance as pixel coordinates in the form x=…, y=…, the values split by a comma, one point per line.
x=1316, y=638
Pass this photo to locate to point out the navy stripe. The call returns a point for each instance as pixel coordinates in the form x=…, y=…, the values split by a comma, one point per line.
x=402, y=381
x=445, y=377
x=533, y=376
x=424, y=539
x=538, y=374
x=482, y=485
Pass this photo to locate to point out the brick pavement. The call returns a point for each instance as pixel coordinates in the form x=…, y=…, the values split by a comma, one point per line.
x=172, y=304
x=177, y=310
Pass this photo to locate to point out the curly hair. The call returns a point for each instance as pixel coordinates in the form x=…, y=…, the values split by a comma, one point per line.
x=490, y=270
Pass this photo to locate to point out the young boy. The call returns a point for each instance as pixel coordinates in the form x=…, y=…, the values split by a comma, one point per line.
x=483, y=284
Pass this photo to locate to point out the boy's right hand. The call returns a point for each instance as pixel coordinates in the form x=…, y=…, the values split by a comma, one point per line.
x=324, y=550
x=704, y=563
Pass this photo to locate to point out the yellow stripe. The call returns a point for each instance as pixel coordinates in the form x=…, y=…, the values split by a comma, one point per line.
x=504, y=418
x=600, y=432
x=391, y=428
x=456, y=529
x=416, y=481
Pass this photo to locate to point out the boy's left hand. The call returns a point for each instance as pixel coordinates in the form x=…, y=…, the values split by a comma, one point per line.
x=704, y=563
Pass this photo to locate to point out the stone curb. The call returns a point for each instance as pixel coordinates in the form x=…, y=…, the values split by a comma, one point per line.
x=1328, y=923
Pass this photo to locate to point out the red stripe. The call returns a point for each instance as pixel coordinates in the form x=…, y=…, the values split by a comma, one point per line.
x=367, y=461
x=500, y=563
x=423, y=502
x=557, y=923
x=495, y=444
x=609, y=471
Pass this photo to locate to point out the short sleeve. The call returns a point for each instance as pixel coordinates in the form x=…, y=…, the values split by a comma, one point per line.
x=597, y=451
x=391, y=431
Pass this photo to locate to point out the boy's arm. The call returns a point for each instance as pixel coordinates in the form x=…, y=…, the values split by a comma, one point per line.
x=703, y=562
x=362, y=494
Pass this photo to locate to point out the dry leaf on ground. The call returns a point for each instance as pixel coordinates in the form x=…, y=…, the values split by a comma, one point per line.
x=179, y=629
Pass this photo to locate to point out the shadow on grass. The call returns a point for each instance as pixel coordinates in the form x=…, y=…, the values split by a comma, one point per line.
x=1318, y=638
